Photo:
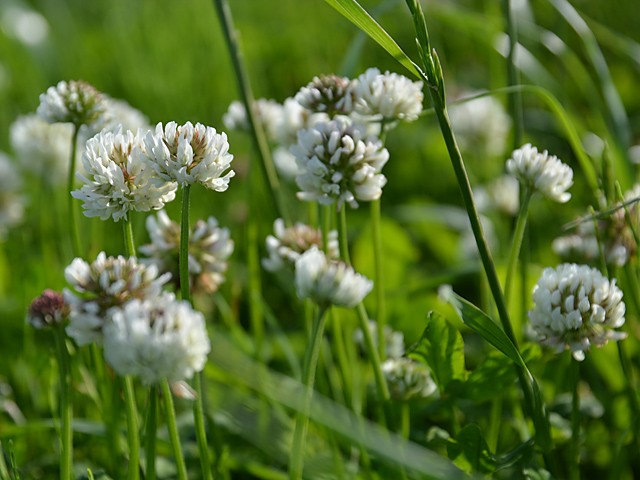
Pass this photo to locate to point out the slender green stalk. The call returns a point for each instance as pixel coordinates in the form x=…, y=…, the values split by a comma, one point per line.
x=133, y=439
x=66, y=407
x=185, y=292
x=627, y=369
x=308, y=378
x=381, y=313
x=405, y=420
x=152, y=427
x=516, y=242
x=244, y=86
x=73, y=212
x=172, y=427
x=574, y=461
x=129, y=244
x=256, y=313
x=381, y=382
x=513, y=76
x=343, y=238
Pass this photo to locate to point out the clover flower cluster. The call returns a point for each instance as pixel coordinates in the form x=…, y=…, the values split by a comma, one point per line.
x=329, y=282
x=501, y=194
x=542, y=172
x=119, y=303
x=575, y=307
x=408, y=379
x=210, y=247
x=612, y=235
x=74, y=102
x=48, y=310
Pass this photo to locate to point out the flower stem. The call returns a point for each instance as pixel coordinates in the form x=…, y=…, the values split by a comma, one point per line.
x=381, y=382
x=129, y=244
x=379, y=276
x=73, y=213
x=516, y=243
x=185, y=292
x=308, y=378
x=66, y=407
x=132, y=429
x=342, y=235
x=173, y=430
x=152, y=426
x=574, y=462
x=244, y=86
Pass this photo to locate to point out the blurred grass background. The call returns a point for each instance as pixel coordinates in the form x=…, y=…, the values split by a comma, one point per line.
x=168, y=59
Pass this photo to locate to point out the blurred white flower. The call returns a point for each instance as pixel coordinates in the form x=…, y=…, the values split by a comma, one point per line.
x=408, y=379
x=190, y=154
x=338, y=164
x=289, y=243
x=394, y=340
x=11, y=202
x=481, y=125
x=542, y=172
x=285, y=163
x=74, y=102
x=329, y=282
x=42, y=148
x=25, y=25
x=118, y=113
x=327, y=94
x=105, y=283
x=501, y=194
x=156, y=339
x=575, y=306
x=210, y=246
x=118, y=178
x=387, y=95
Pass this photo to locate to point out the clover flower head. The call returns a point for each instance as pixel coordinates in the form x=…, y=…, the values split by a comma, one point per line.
x=329, y=282
x=104, y=284
x=156, y=339
x=339, y=164
x=74, y=102
x=394, y=340
x=48, y=310
x=327, y=94
x=289, y=243
x=501, y=194
x=42, y=148
x=542, y=172
x=190, y=154
x=11, y=202
x=408, y=379
x=575, y=307
x=118, y=178
x=210, y=247
x=387, y=95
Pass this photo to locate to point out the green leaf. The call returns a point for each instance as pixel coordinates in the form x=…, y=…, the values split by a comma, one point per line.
x=470, y=452
x=353, y=11
x=442, y=349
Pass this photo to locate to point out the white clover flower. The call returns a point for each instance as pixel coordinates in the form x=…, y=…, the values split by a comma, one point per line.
x=288, y=244
x=11, y=202
x=118, y=179
x=329, y=282
x=481, y=125
x=210, y=247
x=394, y=340
x=575, y=306
x=327, y=94
x=286, y=164
x=408, y=379
x=190, y=154
x=542, y=172
x=338, y=165
x=106, y=283
x=501, y=194
x=42, y=148
x=156, y=339
x=120, y=113
x=74, y=102
x=387, y=95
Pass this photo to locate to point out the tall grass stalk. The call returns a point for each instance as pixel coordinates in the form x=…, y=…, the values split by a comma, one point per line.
x=185, y=292
x=172, y=427
x=516, y=243
x=296, y=464
x=66, y=406
x=73, y=212
x=381, y=311
x=150, y=434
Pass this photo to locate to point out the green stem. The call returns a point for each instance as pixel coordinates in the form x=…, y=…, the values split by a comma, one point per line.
x=66, y=408
x=256, y=127
x=574, y=461
x=172, y=427
x=129, y=244
x=256, y=313
x=627, y=370
x=405, y=420
x=381, y=313
x=308, y=378
x=513, y=77
x=132, y=429
x=381, y=382
x=183, y=259
x=73, y=212
x=152, y=426
x=343, y=238
x=516, y=243
x=493, y=433
x=201, y=433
